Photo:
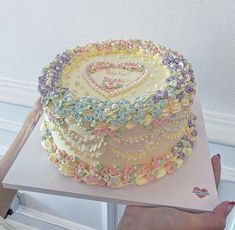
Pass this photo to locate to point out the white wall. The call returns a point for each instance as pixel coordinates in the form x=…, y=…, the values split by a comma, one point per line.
x=33, y=32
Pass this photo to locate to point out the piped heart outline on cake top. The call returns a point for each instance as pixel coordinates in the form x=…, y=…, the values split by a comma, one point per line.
x=114, y=86
x=200, y=192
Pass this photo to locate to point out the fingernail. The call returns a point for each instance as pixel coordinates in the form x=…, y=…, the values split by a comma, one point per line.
x=218, y=155
x=230, y=207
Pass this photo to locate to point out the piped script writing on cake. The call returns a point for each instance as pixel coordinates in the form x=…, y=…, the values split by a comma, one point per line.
x=118, y=112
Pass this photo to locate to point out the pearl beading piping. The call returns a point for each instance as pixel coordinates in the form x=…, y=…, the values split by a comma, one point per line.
x=82, y=150
x=93, y=67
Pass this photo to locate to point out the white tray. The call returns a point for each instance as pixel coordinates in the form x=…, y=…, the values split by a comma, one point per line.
x=32, y=171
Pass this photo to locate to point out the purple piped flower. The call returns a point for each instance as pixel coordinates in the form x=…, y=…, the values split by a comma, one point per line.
x=184, y=71
x=165, y=94
x=62, y=58
x=180, y=95
x=194, y=132
x=190, y=71
x=177, y=60
x=171, y=78
x=160, y=94
x=178, y=66
x=189, y=89
x=181, y=155
x=43, y=91
x=65, y=58
x=190, y=123
x=179, y=145
x=180, y=83
x=156, y=98
x=186, y=138
x=167, y=59
x=57, y=67
x=55, y=79
x=42, y=80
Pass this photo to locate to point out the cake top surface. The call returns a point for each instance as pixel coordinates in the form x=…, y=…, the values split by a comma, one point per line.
x=114, y=74
x=116, y=82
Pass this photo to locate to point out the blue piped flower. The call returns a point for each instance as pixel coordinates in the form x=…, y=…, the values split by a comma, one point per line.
x=102, y=116
x=136, y=119
x=155, y=113
x=115, y=122
x=163, y=104
x=88, y=118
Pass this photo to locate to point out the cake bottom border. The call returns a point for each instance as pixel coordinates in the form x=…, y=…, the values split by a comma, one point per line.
x=117, y=176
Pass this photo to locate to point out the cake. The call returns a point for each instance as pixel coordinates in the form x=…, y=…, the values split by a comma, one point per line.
x=118, y=112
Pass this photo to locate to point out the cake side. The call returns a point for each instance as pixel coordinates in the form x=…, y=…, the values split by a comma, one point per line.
x=117, y=175
x=95, y=113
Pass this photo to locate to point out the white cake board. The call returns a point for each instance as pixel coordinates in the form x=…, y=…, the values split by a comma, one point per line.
x=32, y=171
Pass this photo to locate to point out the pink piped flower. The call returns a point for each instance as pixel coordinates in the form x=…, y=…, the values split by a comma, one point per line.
x=150, y=176
x=112, y=133
x=127, y=178
x=111, y=84
x=127, y=174
x=155, y=50
x=79, y=179
x=128, y=170
x=54, y=147
x=80, y=50
x=63, y=153
x=156, y=162
x=103, y=171
x=155, y=123
x=169, y=168
x=108, y=47
x=82, y=164
x=145, y=169
x=112, y=171
x=86, y=124
x=94, y=179
x=123, y=44
x=69, y=159
x=105, y=131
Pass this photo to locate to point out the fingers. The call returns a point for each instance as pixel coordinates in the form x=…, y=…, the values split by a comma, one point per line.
x=215, y=219
x=216, y=165
x=223, y=209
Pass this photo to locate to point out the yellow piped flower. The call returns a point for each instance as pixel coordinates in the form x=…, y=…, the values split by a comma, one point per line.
x=46, y=144
x=52, y=126
x=130, y=125
x=67, y=170
x=141, y=180
x=176, y=107
x=188, y=151
x=185, y=101
x=117, y=186
x=43, y=127
x=189, y=134
x=148, y=119
x=166, y=112
x=161, y=172
x=70, y=120
x=179, y=162
x=52, y=157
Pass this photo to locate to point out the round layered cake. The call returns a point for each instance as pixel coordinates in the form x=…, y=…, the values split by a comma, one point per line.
x=118, y=112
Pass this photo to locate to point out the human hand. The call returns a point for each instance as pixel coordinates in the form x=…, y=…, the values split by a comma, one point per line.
x=161, y=218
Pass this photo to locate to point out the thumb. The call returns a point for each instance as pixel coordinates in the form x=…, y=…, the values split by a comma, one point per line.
x=223, y=209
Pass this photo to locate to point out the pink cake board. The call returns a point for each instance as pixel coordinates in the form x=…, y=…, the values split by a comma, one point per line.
x=32, y=171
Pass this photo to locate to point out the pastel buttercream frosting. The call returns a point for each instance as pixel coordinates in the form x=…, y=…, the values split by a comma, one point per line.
x=118, y=112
